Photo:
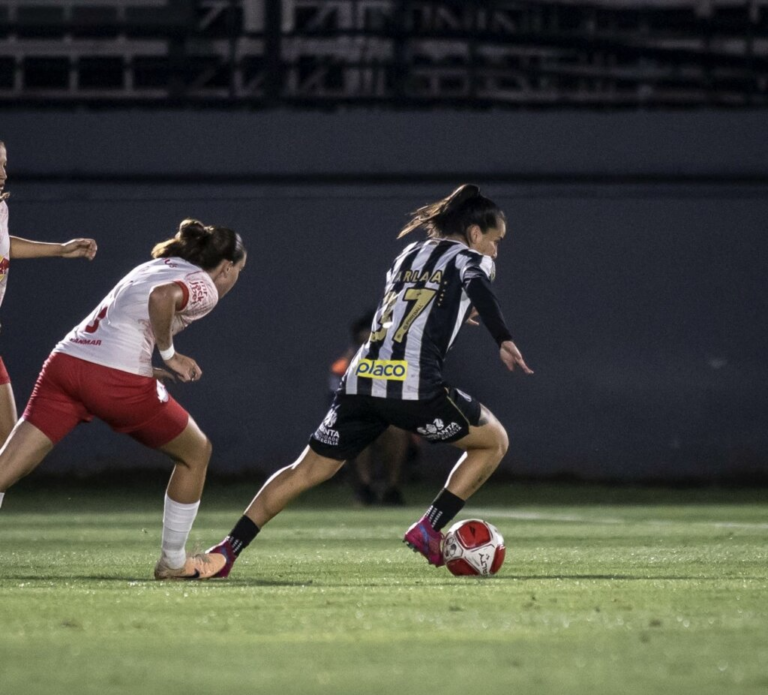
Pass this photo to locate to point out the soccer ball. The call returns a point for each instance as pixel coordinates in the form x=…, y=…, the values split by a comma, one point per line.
x=473, y=547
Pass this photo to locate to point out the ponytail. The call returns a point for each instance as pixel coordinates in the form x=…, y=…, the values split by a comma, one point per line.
x=204, y=246
x=465, y=207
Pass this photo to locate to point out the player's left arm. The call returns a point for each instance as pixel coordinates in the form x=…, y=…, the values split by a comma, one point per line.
x=75, y=248
x=477, y=284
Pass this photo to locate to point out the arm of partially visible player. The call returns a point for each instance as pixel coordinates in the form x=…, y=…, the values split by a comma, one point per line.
x=164, y=302
x=479, y=291
x=76, y=248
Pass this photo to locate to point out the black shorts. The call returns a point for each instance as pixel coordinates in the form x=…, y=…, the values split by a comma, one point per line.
x=354, y=422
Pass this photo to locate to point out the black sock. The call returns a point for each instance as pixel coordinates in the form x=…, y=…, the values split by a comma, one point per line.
x=445, y=506
x=241, y=536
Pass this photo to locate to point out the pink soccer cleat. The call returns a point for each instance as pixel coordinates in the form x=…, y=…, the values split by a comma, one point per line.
x=223, y=557
x=422, y=538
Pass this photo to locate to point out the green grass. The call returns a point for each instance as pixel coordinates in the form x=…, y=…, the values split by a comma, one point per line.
x=603, y=591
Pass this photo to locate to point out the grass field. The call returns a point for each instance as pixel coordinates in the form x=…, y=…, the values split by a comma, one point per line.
x=604, y=591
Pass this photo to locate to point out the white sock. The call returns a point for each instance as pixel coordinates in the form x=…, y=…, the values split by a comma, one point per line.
x=2, y=494
x=177, y=523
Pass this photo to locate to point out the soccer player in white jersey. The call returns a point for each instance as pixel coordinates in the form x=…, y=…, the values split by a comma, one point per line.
x=16, y=247
x=396, y=376
x=103, y=368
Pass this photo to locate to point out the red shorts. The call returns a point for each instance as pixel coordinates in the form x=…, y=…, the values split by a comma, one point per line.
x=70, y=391
x=4, y=377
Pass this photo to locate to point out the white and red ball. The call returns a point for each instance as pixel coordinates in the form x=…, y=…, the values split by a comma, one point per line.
x=473, y=547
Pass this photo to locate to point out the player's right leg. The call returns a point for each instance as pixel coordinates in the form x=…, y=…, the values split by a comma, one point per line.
x=8, y=414
x=458, y=419
x=50, y=414
x=308, y=471
x=484, y=447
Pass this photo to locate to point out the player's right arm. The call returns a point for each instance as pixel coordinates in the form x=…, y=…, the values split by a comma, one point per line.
x=164, y=302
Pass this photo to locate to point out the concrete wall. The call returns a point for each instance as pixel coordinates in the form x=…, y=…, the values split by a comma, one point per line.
x=641, y=306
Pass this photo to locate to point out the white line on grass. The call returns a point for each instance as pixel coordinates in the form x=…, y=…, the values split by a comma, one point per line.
x=537, y=516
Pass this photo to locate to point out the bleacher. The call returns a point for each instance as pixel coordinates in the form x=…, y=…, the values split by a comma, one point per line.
x=399, y=53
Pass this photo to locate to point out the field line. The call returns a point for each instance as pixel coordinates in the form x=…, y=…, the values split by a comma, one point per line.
x=575, y=518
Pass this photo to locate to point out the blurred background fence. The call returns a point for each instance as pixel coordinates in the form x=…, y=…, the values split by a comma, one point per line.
x=634, y=274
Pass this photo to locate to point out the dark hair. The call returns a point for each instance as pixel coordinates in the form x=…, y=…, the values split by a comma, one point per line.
x=455, y=214
x=205, y=246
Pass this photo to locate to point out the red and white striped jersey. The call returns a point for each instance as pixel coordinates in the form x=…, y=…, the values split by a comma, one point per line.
x=118, y=332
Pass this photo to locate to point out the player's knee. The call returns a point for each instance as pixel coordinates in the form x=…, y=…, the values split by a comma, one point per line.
x=501, y=442
x=319, y=474
x=206, y=453
x=316, y=469
x=201, y=456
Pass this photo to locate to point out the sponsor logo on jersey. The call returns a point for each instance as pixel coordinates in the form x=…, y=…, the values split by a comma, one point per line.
x=391, y=370
x=438, y=430
x=85, y=341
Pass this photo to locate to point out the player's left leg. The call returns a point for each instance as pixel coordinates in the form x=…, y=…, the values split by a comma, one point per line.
x=191, y=452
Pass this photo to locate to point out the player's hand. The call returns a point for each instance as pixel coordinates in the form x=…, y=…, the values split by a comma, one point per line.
x=79, y=248
x=512, y=358
x=472, y=318
x=163, y=374
x=185, y=368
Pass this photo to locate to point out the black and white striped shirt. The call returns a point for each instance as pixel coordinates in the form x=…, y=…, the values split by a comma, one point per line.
x=425, y=304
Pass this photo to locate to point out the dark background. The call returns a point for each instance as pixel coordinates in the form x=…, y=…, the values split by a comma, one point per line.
x=632, y=276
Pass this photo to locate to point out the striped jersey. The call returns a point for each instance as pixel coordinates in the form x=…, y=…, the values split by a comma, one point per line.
x=118, y=332
x=424, y=307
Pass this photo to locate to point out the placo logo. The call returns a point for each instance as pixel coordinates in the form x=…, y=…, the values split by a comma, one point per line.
x=391, y=370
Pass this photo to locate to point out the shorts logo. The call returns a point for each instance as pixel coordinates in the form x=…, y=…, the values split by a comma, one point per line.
x=162, y=392
x=330, y=418
x=325, y=434
x=391, y=370
x=438, y=430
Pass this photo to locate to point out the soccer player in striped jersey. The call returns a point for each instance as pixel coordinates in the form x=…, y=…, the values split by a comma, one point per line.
x=17, y=248
x=396, y=376
x=103, y=368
